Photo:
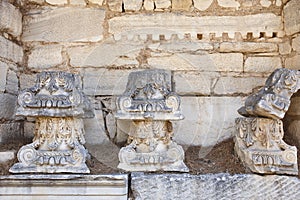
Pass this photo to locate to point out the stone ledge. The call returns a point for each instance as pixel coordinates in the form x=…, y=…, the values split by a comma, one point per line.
x=213, y=186
x=73, y=187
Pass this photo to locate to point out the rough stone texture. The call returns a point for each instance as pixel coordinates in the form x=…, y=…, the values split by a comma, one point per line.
x=262, y=64
x=120, y=54
x=43, y=57
x=181, y=4
x=194, y=83
x=10, y=19
x=162, y=24
x=273, y=100
x=285, y=48
x=229, y=3
x=26, y=80
x=78, y=2
x=213, y=186
x=99, y=2
x=207, y=62
x=69, y=187
x=248, y=47
x=6, y=156
x=296, y=43
x=104, y=81
x=65, y=25
x=265, y=3
x=115, y=5
x=3, y=74
x=132, y=5
x=202, y=4
x=13, y=52
x=208, y=120
x=293, y=62
x=237, y=85
x=148, y=5
x=260, y=146
x=182, y=46
x=10, y=132
x=8, y=104
x=12, y=84
x=291, y=17
x=162, y=4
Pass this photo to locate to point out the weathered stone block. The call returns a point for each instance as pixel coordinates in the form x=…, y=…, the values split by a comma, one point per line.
x=104, y=81
x=99, y=2
x=194, y=83
x=229, y=3
x=285, y=48
x=92, y=187
x=8, y=104
x=10, y=50
x=10, y=132
x=202, y=4
x=12, y=84
x=27, y=80
x=237, y=85
x=293, y=62
x=162, y=4
x=216, y=126
x=178, y=46
x=163, y=24
x=65, y=25
x=3, y=74
x=43, y=57
x=213, y=186
x=57, y=2
x=148, y=4
x=291, y=18
x=207, y=62
x=181, y=4
x=115, y=5
x=132, y=5
x=296, y=44
x=265, y=3
x=78, y=2
x=10, y=19
x=262, y=64
x=6, y=156
x=119, y=55
x=248, y=47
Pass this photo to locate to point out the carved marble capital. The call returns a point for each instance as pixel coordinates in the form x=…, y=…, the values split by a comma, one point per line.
x=259, y=144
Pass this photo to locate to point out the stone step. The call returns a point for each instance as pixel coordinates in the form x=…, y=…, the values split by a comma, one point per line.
x=52, y=187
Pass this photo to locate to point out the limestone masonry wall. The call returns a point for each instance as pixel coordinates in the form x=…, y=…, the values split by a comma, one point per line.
x=219, y=51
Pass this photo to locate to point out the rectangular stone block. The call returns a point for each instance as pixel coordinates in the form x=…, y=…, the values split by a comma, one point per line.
x=291, y=17
x=104, y=81
x=27, y=80
x=194, y=83
x=296, y=43
x=10, y=50
x=65, y=25
x=248, y=47
x=293, y=62
x=229, y=85
x=104, y=55
x=217, y=62
x=43, y=57
x=12, y=84
x=68, y=187
x=208, y=120
x=178, y=46
x=10, y=19
x=171, y=23
x=262, y=64
x=10, y=132
x=8, y=104
x=3, y=75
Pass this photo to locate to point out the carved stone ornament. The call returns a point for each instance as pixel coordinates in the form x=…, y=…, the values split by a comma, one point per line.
x=58, y=104
x=260, y=146
x=273, y=100
x=150, y=104
x=258, y=140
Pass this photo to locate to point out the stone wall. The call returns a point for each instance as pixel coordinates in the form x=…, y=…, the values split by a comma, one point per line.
x=219, y=51
x=11, y=59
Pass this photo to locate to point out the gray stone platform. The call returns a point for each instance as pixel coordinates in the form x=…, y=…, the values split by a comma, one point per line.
x=74, y=187
x=214, y=186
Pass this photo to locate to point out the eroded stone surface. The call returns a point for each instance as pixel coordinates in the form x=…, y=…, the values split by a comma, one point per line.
x=60, y=25
x=13, y=52
x=259, y=144
x=291, y=17
x=273, y=100
x=213, y=186
x=10, y=18
x=149, y=102
x=262, y=64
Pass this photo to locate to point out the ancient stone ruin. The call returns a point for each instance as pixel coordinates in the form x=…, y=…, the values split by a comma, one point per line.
x=259, y=137
x=58, y=104
x=150, y=104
